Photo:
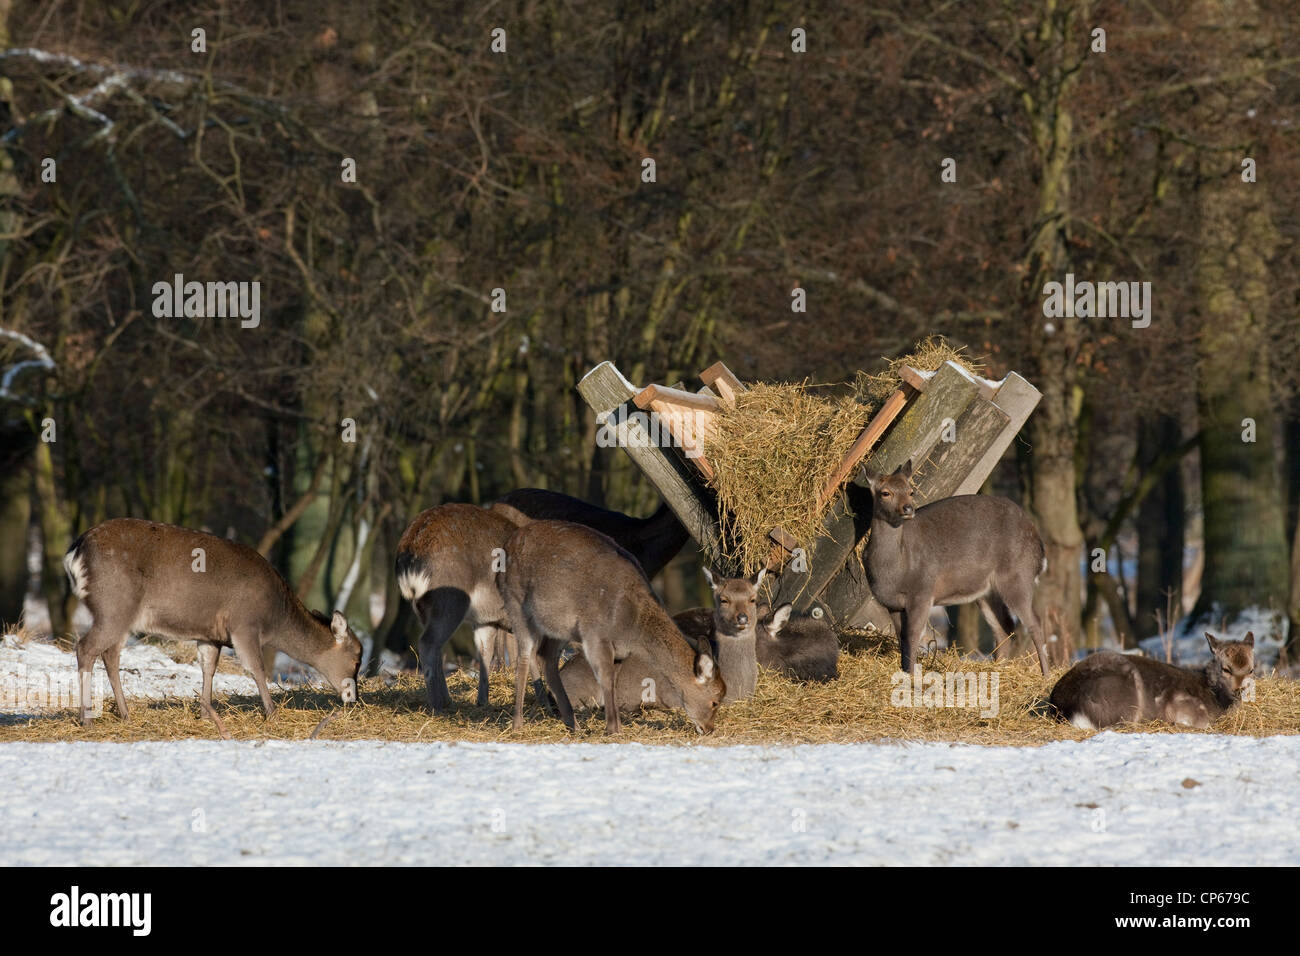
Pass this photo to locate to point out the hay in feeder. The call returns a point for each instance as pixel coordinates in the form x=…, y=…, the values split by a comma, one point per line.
x=928, y=356
x=774, y=452
x=772, y=455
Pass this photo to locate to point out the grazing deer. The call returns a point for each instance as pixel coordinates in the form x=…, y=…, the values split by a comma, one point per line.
x=652, y=541
x=566, y=582
x=138, y=576
x=1107, y=688
x=952, y=551
x=801, y=648
x=447, y=561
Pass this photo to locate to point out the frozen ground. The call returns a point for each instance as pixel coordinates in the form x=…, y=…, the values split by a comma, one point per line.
x=1114, y=799
x=36, y=677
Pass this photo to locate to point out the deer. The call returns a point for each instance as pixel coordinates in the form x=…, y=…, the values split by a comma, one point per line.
x=446, y=564
x=801, y=648
x=566, y=582
x=652, y=541
x=730, y=630
x=955, y=550
x=138, y=576
x=1107, y=688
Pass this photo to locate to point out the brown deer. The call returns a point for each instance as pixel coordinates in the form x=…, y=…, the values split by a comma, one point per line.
x=801, y=648
x=138, y=576
x=566, y=582
x=1107, y=688
x=447, y=561
x=652, y=541
x=953, y=551
x=727, y=632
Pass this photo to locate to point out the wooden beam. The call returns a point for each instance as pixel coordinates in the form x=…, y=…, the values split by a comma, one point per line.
x=609, y=394
x=1017, y=398
x=883, y=418
x=721, y=379
x=675, y=396
x=949, y=465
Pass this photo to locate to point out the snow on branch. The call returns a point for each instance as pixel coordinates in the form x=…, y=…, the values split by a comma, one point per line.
x=41, y=360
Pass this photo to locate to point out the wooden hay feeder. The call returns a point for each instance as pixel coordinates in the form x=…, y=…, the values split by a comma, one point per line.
x=915, y=421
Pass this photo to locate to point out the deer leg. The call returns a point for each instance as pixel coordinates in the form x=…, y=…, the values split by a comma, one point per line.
x=269, y=655
x=485, y=640
x=112, y=655
x=550, y=655
x=91, y=646
x=249, y=648
x=915, y=616
x=602, y=665
x=1022, y=604
x=208, y=657
x=442, y=610
x=526, y=647
x=995, y=612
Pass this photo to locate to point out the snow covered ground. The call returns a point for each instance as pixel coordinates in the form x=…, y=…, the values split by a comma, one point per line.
x=1114, y=799
x=35, y=677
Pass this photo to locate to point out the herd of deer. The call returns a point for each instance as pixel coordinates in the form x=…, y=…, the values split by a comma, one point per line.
x=555, y=571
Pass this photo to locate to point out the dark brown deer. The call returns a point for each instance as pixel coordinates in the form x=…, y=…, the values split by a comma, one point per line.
x=652, y=541
x=1106, y=688
x=953, y=551
x=801, y=648
x=566, y=582
x=138, y=576
x=447, y=562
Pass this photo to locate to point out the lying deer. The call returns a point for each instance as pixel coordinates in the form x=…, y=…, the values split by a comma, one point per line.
x=447, y=561
x=565, y=582
x=652, y=541
x=1106, y=688
x=952, y=551
x=801, y=648
x=138, y=576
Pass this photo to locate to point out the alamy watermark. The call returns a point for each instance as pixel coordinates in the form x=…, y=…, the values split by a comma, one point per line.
x=208, y=300
x=24, y=692
x=1102, y=300
x=974, y=689
x=623, y=429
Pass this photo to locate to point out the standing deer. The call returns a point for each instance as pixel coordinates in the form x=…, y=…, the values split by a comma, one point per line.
x=801, y=648
x=447, y=560
x=952, y=551
x=566, y=582
x=652, y=541
x=1107, y=688
x=138, y=576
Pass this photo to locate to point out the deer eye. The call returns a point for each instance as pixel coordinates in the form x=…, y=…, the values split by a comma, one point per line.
x=884, y=494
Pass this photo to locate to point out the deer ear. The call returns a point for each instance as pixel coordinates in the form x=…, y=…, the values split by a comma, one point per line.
x=870, y=477
x=1214, y=645
x=757, y=579
x=708, y=576
x=1249, y=640
x=781, y=618
x=339, y=626
x=703, y=668
x=906, y=470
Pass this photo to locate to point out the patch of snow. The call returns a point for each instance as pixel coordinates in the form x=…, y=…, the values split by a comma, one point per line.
x=37, y=677
x=1190, y=649
x=1115, y=799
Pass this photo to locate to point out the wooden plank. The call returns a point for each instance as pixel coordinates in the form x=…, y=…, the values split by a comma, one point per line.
x=690, y=428
x=718, y=374
x=677, y=396
x=608, y=393
x=918, y=380
x=913, y=435
x=952, y=461
x=866, y=441
x=1017, y=398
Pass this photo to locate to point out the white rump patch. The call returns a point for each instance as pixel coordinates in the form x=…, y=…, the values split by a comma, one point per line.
x=414, y=584
x=75, y=565
x=1080, y=720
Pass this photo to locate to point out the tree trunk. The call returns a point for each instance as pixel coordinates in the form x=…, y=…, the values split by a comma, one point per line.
x=1159, y=523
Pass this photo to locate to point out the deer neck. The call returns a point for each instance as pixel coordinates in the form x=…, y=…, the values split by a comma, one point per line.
x=300, y=635
x=738, y=661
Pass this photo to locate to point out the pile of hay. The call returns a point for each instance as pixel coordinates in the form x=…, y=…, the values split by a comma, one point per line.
x=773, y=453
x=857, y=707
x=771, y=456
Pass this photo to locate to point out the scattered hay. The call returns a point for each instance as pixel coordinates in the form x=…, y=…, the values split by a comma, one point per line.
x=772, y=454
x=854, y=708
x=928, y=356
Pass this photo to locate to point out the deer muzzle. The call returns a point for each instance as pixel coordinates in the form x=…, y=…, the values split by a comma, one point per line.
x=348, y=690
